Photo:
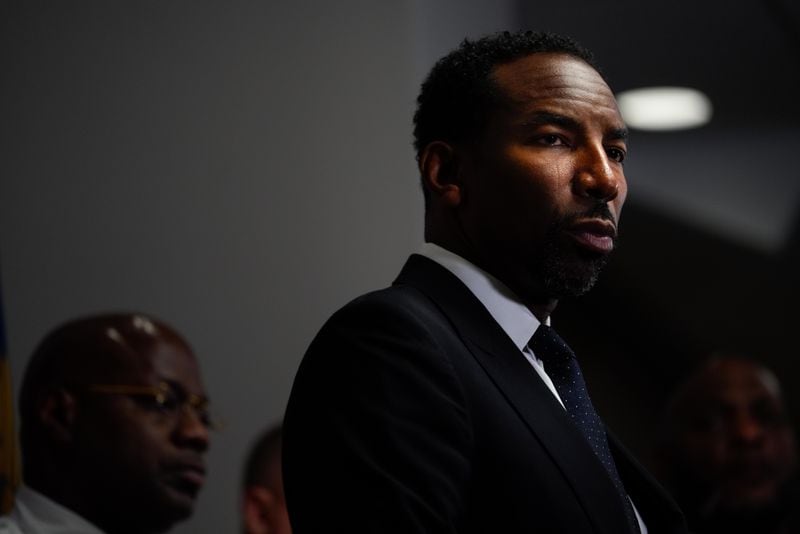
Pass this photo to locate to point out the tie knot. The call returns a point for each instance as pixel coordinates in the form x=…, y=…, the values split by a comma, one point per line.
x=548, y=346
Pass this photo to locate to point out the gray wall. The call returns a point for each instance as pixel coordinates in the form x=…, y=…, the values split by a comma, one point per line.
x=237, y=169
x=242, y=169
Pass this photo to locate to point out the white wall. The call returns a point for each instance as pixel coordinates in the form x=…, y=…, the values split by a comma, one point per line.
x=237, y=169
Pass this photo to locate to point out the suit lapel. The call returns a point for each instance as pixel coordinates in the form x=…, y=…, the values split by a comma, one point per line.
x=657, y=507
x=511, y=373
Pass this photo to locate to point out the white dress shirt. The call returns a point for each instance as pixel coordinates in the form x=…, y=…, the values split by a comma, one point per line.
x=503, y=305
x=33, y=513
x=516, y=320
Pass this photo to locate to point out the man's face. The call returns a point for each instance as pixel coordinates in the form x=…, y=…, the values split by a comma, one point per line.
x=737, y=441
x=147, y=462
x=544, y=185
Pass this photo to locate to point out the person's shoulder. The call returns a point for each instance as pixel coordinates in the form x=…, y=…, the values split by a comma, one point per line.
x=396, y=295
x=397, y=301
x=9, y=526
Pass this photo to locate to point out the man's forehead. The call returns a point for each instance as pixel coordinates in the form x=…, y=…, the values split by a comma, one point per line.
x=172, y=361
x=546, y=70
x=552, y=81
x=740, y=381
x=140, y=345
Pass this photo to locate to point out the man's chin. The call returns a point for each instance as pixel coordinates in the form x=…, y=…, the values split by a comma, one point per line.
x=176, y=502
x=161, y=511
x=751, y=499
x=745, y=515
x=573, y=278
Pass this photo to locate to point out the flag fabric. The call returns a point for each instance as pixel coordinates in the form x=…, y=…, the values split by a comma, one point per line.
x=9, y=467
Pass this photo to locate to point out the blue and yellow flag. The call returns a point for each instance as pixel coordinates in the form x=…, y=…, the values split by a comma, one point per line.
x=9, y=468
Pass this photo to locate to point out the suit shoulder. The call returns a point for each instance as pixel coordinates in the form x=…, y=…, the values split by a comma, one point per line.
x=399, y=308
x=393, y=299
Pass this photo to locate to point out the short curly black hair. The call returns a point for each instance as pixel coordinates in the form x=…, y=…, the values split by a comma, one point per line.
x=457, y=96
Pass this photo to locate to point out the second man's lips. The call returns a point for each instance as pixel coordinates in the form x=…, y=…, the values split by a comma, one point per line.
x=191, y=474
x=596, y=235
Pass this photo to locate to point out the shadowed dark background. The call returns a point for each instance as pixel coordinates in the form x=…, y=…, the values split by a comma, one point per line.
x=242, y=169
x=708, y=256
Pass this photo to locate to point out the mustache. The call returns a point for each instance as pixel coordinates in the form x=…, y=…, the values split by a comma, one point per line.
x=599, y=210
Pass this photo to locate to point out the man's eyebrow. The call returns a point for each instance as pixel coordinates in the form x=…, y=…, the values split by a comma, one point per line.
x=541, y=118
x=180, y=389
x=618, y=134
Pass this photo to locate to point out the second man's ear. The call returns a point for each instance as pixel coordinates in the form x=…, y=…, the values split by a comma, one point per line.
x=260, y=507
x=57, y=411
x=438, y=165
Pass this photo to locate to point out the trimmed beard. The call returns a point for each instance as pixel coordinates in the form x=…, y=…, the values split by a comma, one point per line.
x=566, y=270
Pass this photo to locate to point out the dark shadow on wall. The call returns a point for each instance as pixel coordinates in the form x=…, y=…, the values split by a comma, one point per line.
x=671, y=295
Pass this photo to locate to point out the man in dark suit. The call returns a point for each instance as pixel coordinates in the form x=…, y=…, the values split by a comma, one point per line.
x=429, y=406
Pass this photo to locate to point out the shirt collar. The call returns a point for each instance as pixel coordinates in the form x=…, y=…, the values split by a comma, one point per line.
x=503, y=305
x=38, y=513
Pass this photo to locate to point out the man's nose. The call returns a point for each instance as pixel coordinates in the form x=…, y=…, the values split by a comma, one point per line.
x=192, y=429
x=747, y=429
x=595, y=178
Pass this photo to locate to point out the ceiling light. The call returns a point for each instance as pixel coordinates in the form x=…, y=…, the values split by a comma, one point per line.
x=664, y=108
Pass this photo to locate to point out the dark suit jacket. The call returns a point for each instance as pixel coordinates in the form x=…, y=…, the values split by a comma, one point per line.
x=413, y=412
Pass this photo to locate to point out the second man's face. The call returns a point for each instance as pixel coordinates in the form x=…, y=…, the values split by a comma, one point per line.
x=544, y=186
x=150, y=456
x=737, y=440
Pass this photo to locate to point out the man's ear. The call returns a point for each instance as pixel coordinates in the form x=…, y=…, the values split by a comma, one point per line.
x=57, y=411
x=438, y=166
x=257, y=504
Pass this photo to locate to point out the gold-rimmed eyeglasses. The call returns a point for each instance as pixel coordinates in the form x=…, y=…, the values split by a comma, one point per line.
x=164, y=398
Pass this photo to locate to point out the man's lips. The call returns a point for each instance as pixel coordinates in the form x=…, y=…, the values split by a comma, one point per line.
x=189, y=477
x=193, y=475
x=596, y=235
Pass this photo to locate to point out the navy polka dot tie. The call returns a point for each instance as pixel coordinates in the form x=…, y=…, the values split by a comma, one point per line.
x=563, y=369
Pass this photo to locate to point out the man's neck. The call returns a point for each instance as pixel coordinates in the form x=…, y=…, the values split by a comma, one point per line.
x=75, y=500
x=541, y=307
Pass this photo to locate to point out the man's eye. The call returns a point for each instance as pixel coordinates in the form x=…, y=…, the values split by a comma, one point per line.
x=168, y=402
x=616, y=154
x=707, y=424
x=768, y=414
x=205, y=417
x=551, y=140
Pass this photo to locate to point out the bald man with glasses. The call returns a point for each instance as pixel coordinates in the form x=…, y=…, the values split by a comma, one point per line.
x=114, y=430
